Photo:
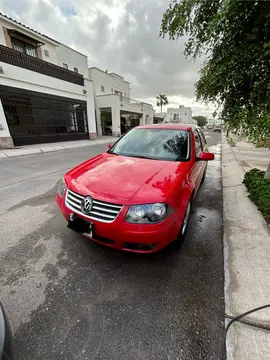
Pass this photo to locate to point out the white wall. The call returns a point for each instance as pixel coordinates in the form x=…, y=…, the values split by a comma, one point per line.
x=3, y=123
x=131, y=107
x=113, y=102
x=2, y=37
x=148, y=114
x=108, y=101
x=73, y=59
x=29, y=80
x=90, y=106
x=48, y=45
x=160, y=114
x=110, y=83
x=52, y=58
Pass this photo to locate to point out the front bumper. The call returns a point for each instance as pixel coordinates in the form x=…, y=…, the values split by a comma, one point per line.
x=140, y=238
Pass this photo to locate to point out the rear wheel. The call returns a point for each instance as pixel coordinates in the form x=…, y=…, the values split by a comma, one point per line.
x=204, y=175
x=203, y=178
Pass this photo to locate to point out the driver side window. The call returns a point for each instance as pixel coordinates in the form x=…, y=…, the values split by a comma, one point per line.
x=198, y=144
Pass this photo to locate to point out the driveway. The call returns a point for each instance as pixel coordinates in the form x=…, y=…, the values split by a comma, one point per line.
x=69, y=298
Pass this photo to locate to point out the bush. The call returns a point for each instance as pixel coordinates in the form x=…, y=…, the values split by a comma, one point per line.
x=259, y=190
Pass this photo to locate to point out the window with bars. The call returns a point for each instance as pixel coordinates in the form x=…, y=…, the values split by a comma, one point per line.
x=24, y=47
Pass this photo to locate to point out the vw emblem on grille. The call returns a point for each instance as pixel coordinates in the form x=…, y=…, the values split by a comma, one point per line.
x=87, y=204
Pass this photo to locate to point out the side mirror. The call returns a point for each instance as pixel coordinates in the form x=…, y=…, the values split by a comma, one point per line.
x=206, y=156
x=110, y=145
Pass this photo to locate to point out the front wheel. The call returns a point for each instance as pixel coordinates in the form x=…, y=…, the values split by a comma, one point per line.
x=186, y=220
x=184, y=226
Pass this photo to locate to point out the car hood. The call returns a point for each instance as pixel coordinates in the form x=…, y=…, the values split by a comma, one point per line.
x=125, y=180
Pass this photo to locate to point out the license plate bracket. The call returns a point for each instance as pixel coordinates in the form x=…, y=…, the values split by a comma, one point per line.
x=82, y=226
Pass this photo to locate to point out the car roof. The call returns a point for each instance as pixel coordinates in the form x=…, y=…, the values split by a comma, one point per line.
x=169, y=126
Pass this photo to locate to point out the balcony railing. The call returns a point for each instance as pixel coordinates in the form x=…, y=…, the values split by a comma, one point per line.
x=127, y=100
x=16, y=58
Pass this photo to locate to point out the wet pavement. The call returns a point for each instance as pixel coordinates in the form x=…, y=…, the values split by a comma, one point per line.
x=69, y=298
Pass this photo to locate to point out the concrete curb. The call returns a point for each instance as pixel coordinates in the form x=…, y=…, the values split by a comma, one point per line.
x=41, y=149
x=247, y=263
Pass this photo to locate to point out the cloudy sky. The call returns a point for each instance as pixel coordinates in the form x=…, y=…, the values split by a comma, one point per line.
x=121, y=36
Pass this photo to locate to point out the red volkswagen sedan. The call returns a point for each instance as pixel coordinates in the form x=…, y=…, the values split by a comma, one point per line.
x=137, y=196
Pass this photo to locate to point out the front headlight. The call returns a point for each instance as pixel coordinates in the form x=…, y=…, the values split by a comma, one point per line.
x=61, y=188
x=148, y=213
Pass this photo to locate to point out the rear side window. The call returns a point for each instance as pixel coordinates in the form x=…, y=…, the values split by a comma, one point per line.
x=202, y=137
x=198, y=143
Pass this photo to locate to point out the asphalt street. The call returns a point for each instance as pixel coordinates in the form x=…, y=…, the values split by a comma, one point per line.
x=69, y=298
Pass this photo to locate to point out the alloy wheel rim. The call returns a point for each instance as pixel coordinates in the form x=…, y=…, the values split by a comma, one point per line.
x=185, y=221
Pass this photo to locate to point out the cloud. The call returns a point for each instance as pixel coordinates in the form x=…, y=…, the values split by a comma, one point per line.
x=122, y=36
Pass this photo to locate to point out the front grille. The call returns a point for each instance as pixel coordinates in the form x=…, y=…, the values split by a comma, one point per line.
x=101, y=210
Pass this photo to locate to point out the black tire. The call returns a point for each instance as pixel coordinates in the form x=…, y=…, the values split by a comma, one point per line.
x=203, y=178
x=184, y=226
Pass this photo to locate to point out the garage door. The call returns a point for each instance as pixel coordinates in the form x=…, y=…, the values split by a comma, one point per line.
x=34, y=117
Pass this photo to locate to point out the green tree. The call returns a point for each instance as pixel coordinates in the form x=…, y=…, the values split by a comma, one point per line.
x=201, y=120
x=162, y=100
x=235, y=38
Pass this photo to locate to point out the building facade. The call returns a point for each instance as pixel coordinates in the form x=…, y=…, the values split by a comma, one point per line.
x=181, y=115
x=45, y=91
x=113, y=102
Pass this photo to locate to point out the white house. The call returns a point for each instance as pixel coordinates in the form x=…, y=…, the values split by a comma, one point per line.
x=45, y=90
x=112, y=96
x=181, y=115
x=215, y=122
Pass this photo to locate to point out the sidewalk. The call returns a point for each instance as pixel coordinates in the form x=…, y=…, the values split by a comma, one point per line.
x=246, y=254
x=50, y=147
x=249, y=157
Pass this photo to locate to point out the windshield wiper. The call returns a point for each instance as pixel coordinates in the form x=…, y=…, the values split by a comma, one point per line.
x=141, y=157
x=112, y=152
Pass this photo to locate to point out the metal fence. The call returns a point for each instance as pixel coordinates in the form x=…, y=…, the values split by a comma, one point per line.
x=16, y=58
x=36, y=118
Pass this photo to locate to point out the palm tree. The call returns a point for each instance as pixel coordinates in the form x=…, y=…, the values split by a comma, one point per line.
x=162, y=100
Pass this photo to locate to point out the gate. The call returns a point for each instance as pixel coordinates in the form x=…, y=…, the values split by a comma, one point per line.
x=35, y=118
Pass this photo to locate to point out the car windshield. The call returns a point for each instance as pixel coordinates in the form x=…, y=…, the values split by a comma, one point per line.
x=158, y=144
